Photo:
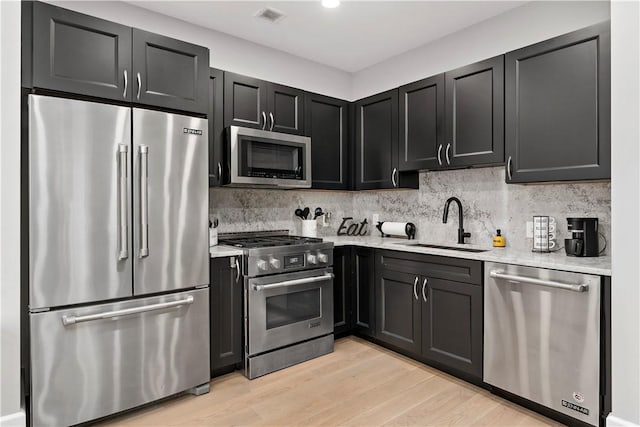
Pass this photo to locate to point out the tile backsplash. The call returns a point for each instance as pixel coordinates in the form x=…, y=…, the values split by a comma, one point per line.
x=488, y=203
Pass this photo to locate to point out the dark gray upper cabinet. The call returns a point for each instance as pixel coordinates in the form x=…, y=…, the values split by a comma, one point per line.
x=474, y=99
x=259, y=104
x=453, y=314
x=76, y=53
x=558, y=95
x=216, y=127
x=226, y=295
x=245, y=101
x=326, y=122
x=422, y=124
x=170, y=73
x=377, y=141
x=285, y=107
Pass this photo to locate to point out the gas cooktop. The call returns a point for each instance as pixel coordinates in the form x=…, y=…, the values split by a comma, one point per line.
x=265, y=239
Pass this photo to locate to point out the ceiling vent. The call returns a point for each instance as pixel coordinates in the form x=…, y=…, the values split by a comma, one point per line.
x=270, y=14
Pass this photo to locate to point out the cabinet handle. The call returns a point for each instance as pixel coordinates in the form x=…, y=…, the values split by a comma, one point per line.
x=424, y=286
x=219, y=171
x=139, y=85
x=509, y=168
x=272, y=121
x=237, y=267
x=439, y=154
x=126, y=83
x=264, y=120
x=415, y=288
x=447, y=154
x=394, y=179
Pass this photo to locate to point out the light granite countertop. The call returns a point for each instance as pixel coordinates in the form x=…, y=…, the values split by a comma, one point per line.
x=554, y=260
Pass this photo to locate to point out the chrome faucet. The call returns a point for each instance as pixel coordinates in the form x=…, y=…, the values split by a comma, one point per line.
x=461, y=233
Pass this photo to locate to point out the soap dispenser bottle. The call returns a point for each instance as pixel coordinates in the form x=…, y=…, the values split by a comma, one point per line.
x=499, y=240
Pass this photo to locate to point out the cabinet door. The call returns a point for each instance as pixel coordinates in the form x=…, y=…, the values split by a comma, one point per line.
x=342, y=312
x=558, y=110
x=398, y=309
x=452, y=325
x=377, y=141
x=226, y=314
x=216, y=126
x=422, y=124
x=245, y=101
x=475, y=114
x=285, y=109
x=326, y=123
x=364, y=292
x=77, y=53
x=170, y=73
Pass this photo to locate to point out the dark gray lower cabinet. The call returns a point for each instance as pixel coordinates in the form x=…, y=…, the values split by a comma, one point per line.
x=452, y=325
x=558, y=112
x=342, y=295
x=226, y=315
x=363, y=281
x=431, y=307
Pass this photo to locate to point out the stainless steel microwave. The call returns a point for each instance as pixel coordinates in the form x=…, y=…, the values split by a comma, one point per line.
x=261, y=158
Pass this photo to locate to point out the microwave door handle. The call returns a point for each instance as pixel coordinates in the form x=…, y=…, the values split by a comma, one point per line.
x=295, y=282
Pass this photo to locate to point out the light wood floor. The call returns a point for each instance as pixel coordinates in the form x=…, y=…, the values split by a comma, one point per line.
x=360, y=384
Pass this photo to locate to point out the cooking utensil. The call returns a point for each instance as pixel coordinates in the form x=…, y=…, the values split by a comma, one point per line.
x=305, y=213
x=299, y=213
x=317, y=213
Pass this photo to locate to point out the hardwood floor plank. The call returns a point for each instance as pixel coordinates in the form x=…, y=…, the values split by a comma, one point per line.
x=359, y=384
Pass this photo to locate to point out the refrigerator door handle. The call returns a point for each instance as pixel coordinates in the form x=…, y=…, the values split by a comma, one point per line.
x=144, y=200
x=123, y=211
x=72, y=320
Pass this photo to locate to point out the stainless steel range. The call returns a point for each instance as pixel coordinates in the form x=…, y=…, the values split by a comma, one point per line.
x=288, y=299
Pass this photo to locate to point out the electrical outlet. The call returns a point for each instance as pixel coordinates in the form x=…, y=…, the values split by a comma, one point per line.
x=374, y=219
x=529, y=230
x=325, y=219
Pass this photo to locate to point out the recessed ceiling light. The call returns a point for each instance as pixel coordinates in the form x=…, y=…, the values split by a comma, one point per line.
x=331, y=4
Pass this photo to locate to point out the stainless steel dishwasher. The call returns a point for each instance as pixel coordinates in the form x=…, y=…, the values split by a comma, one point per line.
x=542, y=337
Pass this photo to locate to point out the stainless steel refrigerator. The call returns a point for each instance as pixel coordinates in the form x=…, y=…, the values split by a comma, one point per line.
x=118, y=258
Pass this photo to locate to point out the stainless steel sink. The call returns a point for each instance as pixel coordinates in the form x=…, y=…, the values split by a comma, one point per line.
x=451, y=248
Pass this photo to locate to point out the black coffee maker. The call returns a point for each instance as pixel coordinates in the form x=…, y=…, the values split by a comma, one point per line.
x=584, y=237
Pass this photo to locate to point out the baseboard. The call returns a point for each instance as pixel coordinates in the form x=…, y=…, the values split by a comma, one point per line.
x=613, y=421
x=17, y=419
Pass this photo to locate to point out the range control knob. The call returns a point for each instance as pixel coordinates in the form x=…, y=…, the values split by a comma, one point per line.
x=323, y=258
x=312, y=259
x=262, y=265
x=275, y=263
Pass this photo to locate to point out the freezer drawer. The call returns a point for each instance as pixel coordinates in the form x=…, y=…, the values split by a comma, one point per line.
x=92, y=367
x=542, y=337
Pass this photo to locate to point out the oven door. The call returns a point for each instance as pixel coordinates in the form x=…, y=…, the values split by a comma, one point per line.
x=288, y=308
x=263, y=158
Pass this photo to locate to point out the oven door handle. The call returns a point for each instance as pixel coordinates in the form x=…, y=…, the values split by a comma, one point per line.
x=288, y=283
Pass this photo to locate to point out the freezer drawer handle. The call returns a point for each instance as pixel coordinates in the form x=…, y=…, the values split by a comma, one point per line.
x=295, y=282
x=144, y=201
x=499, y=274
x=123, y=211
x=71, y=320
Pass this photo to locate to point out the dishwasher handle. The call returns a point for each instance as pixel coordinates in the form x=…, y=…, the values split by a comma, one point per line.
x=499, y=274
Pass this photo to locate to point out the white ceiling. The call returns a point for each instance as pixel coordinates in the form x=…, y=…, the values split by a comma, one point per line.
x=352, y=37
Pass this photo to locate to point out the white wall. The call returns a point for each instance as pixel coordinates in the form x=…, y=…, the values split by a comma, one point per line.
x=519, y=27
x=625, y=210
x=227, y=52
x=11, y=413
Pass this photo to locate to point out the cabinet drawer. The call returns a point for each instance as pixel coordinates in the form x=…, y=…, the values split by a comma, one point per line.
x=438, y=267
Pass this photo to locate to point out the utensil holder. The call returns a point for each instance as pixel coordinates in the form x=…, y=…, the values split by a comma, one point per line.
x=309, y=228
